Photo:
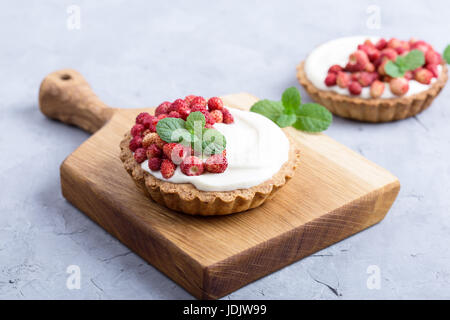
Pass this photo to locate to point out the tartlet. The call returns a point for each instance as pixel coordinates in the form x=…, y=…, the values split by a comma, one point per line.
x=373, y=109
x=186, y=198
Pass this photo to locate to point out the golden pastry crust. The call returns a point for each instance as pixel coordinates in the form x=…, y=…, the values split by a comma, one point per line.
x=373, y=110
x=184, y=197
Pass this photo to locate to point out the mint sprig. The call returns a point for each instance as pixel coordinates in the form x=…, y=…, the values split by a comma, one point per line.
x=447, y=54
x=309, y=117
x=413, y=60
x=192, y=132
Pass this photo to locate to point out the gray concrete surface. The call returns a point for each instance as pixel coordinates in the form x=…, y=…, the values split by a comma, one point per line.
x=139, y=53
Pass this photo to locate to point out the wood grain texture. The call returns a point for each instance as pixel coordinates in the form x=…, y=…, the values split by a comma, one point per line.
x=335, y=193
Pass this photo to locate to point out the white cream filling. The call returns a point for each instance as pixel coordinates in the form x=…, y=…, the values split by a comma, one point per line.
x=256, y=150
x=337, y=52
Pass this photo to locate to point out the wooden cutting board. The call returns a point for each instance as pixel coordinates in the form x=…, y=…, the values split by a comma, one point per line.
x=334, y=194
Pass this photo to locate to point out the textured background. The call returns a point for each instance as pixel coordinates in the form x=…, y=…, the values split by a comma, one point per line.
x=136, y=54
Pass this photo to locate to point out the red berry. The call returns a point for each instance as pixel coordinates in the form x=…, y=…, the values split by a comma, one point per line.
x=141, y=117
x=216, y=163
x=198, y=107
x=370, y=67
x=335, y=69
x=163, y=108
x=409, y=75
x=399, y=86
x=355, y=88
x=227, y=116
x=423, y=75
x=184, y=112
x=381, y=44
x=367, y=78
x=192, y=166
x=215, y=103
x=343, y=79
x=433, y=68
x=154, y=164
x=381, y=69
x=208, y=117
x=420, y=45
x=198, y=100
x=174, y=114
x=189, y=99
x=358, y=61
x=153, y=151
x=376, y=89
x=167, y=168
x=389, y=53
x=432, y=57
x=150, y=139
x=209, y=126
x=217, y=116
x=372, y=52
x=176, y=152
x=330, y=80
x=162, y=116
x=140, y=155
x=148, y=121
x=135, y=143
x=394, y=43
x=177, y=104
x=137, y=130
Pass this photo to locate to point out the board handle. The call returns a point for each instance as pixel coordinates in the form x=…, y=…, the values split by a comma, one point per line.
x=66, y=96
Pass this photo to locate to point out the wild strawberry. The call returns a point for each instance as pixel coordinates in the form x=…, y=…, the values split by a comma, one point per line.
x=330, y=80
x=162, y=116
x=189, y=99
x=215, y=103
x=399, y=86
x=184, y=112
x=216, y=163
x=198, y=107
x=174, y=114
x=227, y=116
x=408, y=75
x=146, y=132
x=335, y=69
x=355, y=76
x=153, y=151
x=376, y=89
x=224, y=152
x=152, y=138
x=176, y=152
x=355, y=88
x=381, y=44
x=372, y=52
x=389, y=53
x=403, y=48
x=217, y=116
x=208, y=117
x=394, y=43
x=421, y=45
x=163, y=108
x=370, y=67
x=432, y=57
x=367, y=78
x=192, y=166
x=148, y=121
x=135, y=143
x=137, y=130
x=198, y=100
x=209, y=126
x=357, y=61
x=167, y=168
x=154, y=164
x=433, y=68
x=177, y=104
x=140, y=155
x=423, y=75
x=381, y=69
x=141, y=117
x=343, y=79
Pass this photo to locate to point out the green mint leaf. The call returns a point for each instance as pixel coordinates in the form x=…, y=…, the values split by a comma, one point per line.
x=213, y=142
x=194, y=117
x=286, y=120
x=413, y=60
x=291, y=100
x=312, y=117
x=393, y=70
x=447, y=54
x=171, y=129
x=269, y=109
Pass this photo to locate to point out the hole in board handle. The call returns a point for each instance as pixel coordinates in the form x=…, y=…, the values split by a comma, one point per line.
x=66, y=76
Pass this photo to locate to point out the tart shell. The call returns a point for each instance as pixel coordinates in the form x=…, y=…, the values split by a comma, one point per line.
x=373, y=110
x=184, y=197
